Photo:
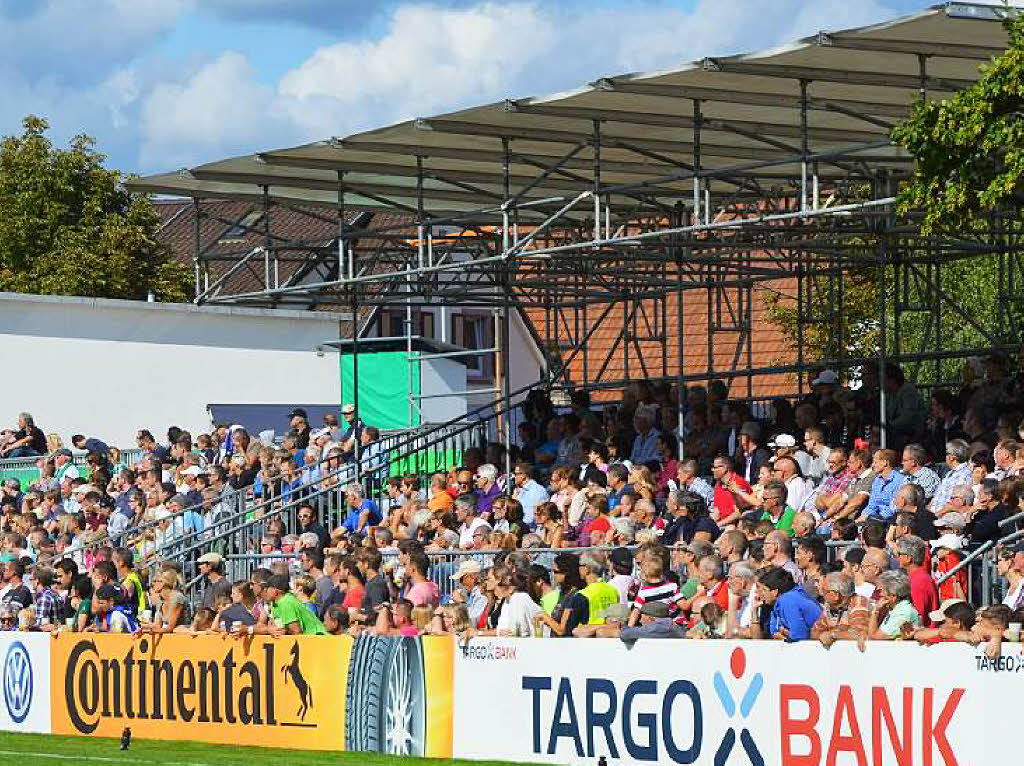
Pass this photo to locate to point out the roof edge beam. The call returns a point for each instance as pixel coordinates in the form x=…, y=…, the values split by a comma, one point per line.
x=910, y=47
x=742, y=127
x=822, y=74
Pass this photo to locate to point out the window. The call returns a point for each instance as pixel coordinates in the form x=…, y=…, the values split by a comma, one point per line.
x=242, y=228
x=391, y=323
x=473, y=331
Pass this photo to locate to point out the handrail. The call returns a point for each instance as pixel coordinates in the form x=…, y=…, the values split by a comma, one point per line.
x=198, y=508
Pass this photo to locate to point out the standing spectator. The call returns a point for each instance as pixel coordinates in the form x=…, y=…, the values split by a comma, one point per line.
x=49, y=608
x=793, y=612
x=423, y=592
x=750, y=457
x=843, y=618
x=689, y=481
x=528, y=492
x=906, y=410
x=211, y=567
x=64, y=468
x=778, y=552
x=109, y=615
x=911, y=552
x=291, y=616
x=599, y=594
x=946, y=551
x=90, y=444
x=299, y=428
x=352, y=432
x=573, y=609
x=376, y=591
x=814, y=442
x=740, y=622
x=645, y=445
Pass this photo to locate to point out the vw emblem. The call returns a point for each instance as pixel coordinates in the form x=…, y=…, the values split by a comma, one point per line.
x=17, y=682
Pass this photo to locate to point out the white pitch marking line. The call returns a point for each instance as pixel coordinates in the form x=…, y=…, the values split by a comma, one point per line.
x=104, y=759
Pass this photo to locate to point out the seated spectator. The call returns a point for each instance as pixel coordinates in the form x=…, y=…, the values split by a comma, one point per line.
x=362, y=511
x=740, y=617
x=776, y=510
x=688, y=519
x=917, y=472
x=946, y=551
x=883, y=488
x=1010, y=566
x=27, y=441
x=953, y=621
x=727, y=505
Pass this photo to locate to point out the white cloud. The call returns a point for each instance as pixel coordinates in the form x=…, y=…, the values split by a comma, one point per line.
x=218, y=108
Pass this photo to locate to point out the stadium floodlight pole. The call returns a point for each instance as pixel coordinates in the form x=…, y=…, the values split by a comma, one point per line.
x=198, y=246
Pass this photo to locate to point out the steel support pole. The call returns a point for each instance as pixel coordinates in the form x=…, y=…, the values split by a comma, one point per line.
x=804, y=149
x=698, y=121
x=266, y=236
x=680, y=372
x=197, y=241
x=597, y=180
x=506, y=327
x=883, y=259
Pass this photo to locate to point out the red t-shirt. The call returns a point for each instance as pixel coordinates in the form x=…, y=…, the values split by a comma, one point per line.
x=354, y=597
x=924, y=594
x=955, y=586
x=719, y=593
x=724, y=500
x=597, y=524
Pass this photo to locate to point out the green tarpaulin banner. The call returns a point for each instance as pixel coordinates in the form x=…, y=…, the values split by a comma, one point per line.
x=383, y=388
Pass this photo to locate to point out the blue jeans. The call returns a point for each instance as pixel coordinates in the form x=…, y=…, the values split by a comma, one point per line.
x=23, y=452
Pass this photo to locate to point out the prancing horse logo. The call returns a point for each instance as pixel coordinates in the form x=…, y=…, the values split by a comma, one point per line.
x=301, y=685
x=18, y=682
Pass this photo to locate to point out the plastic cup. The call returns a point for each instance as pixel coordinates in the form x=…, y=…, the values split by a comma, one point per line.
x=1014, y=628
x=69, y=623
x=147, y=615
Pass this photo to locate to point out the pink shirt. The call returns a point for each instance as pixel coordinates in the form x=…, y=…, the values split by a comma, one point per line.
x=424, y=593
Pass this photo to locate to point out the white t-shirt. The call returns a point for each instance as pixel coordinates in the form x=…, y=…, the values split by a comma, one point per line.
x=467, y=531
x=623, y=584
x=517, y=615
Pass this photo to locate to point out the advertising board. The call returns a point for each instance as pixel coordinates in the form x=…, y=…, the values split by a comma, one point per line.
x=723, y=702
x=25, y=681
x=282, y=692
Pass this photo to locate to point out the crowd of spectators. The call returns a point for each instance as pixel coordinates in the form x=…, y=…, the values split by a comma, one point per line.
x=796, y=526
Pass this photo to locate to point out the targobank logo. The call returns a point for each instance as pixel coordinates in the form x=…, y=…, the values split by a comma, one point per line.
x=738, y=665
x=17, y=681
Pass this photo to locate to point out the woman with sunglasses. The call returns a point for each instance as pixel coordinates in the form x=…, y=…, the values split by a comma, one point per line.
x=1007, y=566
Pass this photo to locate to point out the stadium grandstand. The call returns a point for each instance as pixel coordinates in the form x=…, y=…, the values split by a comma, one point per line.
x=681, y=471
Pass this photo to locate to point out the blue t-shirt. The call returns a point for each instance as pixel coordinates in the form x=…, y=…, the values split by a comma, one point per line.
x=795, y=611
x=352, y=519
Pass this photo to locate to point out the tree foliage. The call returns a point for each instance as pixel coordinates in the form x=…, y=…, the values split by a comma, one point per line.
x=969, y=150
x=69, y=227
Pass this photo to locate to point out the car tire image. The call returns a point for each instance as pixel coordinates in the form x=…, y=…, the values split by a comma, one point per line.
x=385, y=708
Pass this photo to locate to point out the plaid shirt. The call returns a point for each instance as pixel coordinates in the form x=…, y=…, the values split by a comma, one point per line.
x=48, y=607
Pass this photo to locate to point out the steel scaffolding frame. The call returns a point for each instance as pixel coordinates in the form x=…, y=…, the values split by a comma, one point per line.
x=584, y=228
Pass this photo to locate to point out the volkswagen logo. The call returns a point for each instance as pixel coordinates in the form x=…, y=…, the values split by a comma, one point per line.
x=17, y=680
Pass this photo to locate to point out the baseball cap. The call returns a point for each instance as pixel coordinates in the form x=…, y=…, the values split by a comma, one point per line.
x=348, y=409
x=826, y=378
x=621, y=557
x=938, y=615
x=656, y=609
x=298, y=411
x=782, y=440
x=210, y=558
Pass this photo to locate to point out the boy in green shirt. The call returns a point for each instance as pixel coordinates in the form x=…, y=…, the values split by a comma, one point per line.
x=286, y=611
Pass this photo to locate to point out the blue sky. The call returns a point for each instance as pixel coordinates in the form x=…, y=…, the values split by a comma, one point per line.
x=164, y=84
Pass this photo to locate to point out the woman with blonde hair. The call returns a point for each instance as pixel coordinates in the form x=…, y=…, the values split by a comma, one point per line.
x=169, y=604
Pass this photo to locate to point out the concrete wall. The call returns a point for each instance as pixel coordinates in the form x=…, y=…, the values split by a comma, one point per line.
x=106, y=368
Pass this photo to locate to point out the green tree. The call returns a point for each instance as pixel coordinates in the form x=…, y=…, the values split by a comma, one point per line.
x=69, y=227
x=968, y=150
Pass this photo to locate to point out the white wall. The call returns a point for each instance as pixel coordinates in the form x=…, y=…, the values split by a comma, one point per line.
x=106, y=368
x=440, y=376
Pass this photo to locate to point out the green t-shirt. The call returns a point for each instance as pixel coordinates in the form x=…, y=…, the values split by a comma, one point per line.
x=785, y=522
x=903, y=612
x=689, y=588
x=289, y=609
x=600, y=596
x=549, y=600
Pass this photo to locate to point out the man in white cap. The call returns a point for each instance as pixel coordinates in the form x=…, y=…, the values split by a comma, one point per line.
x=351, y=432
x=469, y=591
x=785, y=446
x=211, y=567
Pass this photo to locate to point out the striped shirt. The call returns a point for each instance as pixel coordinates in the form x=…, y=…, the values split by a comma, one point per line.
x=666, y=591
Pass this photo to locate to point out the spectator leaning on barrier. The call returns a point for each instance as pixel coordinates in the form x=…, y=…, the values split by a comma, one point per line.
x=792, y=612
x=895, y=613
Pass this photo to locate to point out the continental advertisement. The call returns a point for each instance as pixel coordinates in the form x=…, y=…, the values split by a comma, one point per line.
x=385, y=695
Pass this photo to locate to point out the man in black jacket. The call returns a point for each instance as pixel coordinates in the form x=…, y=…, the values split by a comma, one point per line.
x=749, y=456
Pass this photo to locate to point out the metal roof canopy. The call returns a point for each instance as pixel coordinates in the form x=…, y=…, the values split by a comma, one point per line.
x=747, y=122
x=713, y=153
